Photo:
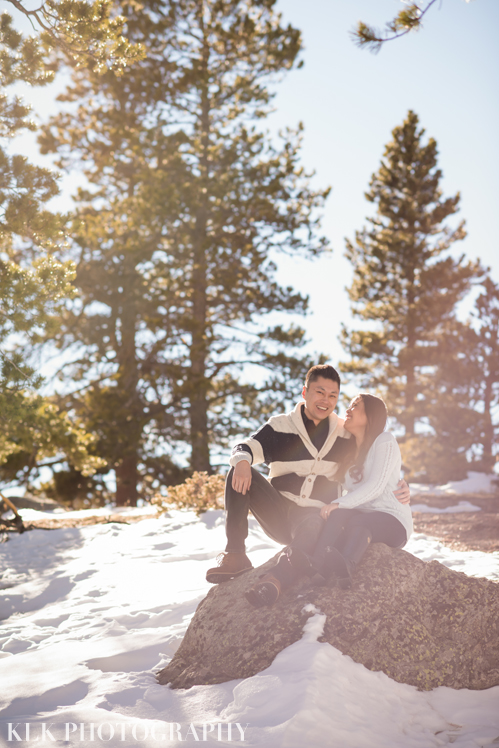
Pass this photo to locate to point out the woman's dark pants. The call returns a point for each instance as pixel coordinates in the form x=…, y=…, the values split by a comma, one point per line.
x=350, y=531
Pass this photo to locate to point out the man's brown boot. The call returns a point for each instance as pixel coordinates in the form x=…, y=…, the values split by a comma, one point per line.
x=230, y=565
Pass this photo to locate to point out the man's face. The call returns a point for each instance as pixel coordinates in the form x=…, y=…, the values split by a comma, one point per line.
x=320, y=398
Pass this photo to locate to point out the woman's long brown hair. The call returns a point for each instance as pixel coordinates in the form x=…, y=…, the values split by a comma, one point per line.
x=376, y=414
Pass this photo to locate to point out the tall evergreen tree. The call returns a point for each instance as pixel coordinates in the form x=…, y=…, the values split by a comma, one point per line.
x=33, y=283
x=465, y=395
x=486, y=357
x=452, y=437
x=405, y=284
x=33, y=428
x=190, y=203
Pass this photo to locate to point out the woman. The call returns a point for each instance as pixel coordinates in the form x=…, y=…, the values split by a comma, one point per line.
x=368, y=512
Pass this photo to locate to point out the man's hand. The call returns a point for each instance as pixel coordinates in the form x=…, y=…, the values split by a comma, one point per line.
x=402, y=492
x=327, y=509
x=241, y=477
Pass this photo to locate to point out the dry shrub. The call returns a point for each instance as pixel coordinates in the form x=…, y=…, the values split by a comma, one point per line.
x=199, y=492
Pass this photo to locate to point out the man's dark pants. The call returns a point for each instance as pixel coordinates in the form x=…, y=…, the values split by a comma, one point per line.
x=281, y=519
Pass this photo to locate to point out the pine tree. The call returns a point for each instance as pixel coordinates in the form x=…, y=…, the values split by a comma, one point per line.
x=33, y=428
x=405, y=285
x=452, y=435
x=464, y=396
x=33, y=283
x=486, y=358
x=24, y=188
x=190, y=204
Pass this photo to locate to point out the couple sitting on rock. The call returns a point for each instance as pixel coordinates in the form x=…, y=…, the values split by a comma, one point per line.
x=313, y=457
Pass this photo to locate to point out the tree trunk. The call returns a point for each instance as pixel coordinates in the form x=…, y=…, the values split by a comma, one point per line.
x=408, y=420
x=198, y=385
x=128, y=380
x=488, y=427
x=126, y=481
x=410, y=389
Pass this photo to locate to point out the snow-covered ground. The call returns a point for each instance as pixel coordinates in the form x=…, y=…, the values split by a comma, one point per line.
x=90, y=614
x=477, y=483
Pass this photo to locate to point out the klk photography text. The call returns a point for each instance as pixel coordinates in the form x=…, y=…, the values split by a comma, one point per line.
x=104, y=732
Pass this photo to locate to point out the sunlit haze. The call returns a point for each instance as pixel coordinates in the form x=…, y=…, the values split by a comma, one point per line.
x=350, y=100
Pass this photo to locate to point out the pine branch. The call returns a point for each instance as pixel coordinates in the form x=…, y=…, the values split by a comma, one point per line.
x=84, y=31
x=409, y=19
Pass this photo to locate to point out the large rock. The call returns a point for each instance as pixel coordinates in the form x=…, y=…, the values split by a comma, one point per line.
x=420, y=623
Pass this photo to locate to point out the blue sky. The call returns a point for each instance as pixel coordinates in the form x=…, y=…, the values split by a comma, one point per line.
x=350, y=100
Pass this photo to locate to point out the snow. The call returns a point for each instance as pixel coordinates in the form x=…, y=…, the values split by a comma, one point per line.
x=462, y=506
x=104, y=511
x=91, y=613
x=477, y=483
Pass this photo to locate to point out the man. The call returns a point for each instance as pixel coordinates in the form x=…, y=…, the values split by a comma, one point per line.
x=303, y=450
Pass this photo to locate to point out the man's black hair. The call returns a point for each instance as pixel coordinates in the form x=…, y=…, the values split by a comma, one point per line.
x=322, y=370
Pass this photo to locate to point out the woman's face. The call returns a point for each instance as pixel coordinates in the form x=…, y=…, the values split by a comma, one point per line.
x=355, y=418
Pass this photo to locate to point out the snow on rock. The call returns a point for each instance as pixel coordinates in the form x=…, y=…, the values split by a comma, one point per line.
x=90, y=615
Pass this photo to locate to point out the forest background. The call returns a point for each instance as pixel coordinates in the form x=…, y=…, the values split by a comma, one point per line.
x=349, y=102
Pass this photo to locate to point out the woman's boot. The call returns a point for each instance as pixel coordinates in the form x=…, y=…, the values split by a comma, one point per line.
x=264, y=592
x=268, y=588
